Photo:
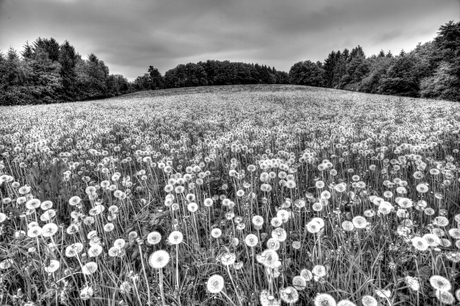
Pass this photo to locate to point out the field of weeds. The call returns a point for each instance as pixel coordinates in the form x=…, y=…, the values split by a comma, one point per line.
x=239, y=195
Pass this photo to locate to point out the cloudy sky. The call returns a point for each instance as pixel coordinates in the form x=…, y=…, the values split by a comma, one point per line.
x=130, y=35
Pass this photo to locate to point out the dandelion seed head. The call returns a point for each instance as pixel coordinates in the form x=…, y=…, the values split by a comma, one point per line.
x=159, y=259
x=324, y=299
x=215, y=284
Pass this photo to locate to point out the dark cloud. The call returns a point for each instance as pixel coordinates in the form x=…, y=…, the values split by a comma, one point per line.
x=131, y=35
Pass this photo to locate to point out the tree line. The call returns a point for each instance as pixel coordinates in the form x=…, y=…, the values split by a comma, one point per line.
x=49, y=72
x=211, y=72
x=431, y=70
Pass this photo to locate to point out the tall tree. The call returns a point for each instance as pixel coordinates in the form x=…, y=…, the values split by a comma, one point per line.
x=68, y=59
x=157, y=80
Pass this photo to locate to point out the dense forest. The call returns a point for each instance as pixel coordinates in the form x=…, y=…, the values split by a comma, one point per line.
x=49, y=72
x=210, y=73
x=431, y=70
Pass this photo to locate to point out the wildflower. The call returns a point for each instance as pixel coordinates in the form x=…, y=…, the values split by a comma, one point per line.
x=299, y=282
x=73, y=249
x=114, y=252
x=405, y=203
x=34, y=232
x=215, y=284
x=319, y=184
x=19, y=234
x=319, y=270
x=238, y=265
x=317, y=206
x=313, y=227
x=324, y=299
x=385, y=208
x=359, y=222
x=33, y=204
x=283, y=215
x=251, y=240
x=3, y=217
x=257, y=220
x=53, y=266
x=89, y=268
x=441, y=221
x=49, y=229
x=268, y=258
x=306, y=274
x=369, y=213
x=432, y=240
x=412, y=283
x=445, y=243
x=345, y=303
x=296, y=245
x=228, y=259
x=46, y=205
x=318, y=220
x=125, y=287
x=216, y=232
x=279, y=234
x=340, y=187
x=72, y=229
x=276, y=222
x=383, y=293
x=440, y=283
x=48, y=215
x=6, y=264
x=208, y=202
x=420, y=243
x=273, y=244
x=454, y=233
x=348, y=226
x=289, y=295
x=75, y=200
x=109, y=227
x=95, y=250
x=388, y=194
x=192, y=207
x=159, y=259
x=175, y=237
x=290, y=184
x=368, y=300
x=429, y=211
x=422, y=188
x=86, y=293
x=229, y=215
x=24, y=190
x=445, y=297
x=132, y=235
x=119, y=243
x=268, y=300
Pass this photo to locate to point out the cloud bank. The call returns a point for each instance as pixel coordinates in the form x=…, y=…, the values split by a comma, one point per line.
x=131, y=35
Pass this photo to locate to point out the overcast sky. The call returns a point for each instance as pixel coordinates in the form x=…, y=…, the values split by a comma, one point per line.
x=130, y=35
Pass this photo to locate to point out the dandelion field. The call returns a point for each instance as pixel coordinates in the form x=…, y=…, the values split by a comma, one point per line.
x=238, y=195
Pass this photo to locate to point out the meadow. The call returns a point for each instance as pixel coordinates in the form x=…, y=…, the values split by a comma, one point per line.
x=233, y=195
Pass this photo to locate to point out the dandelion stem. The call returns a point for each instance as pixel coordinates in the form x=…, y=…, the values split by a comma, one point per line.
x=234, y=286
x=145, y=276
